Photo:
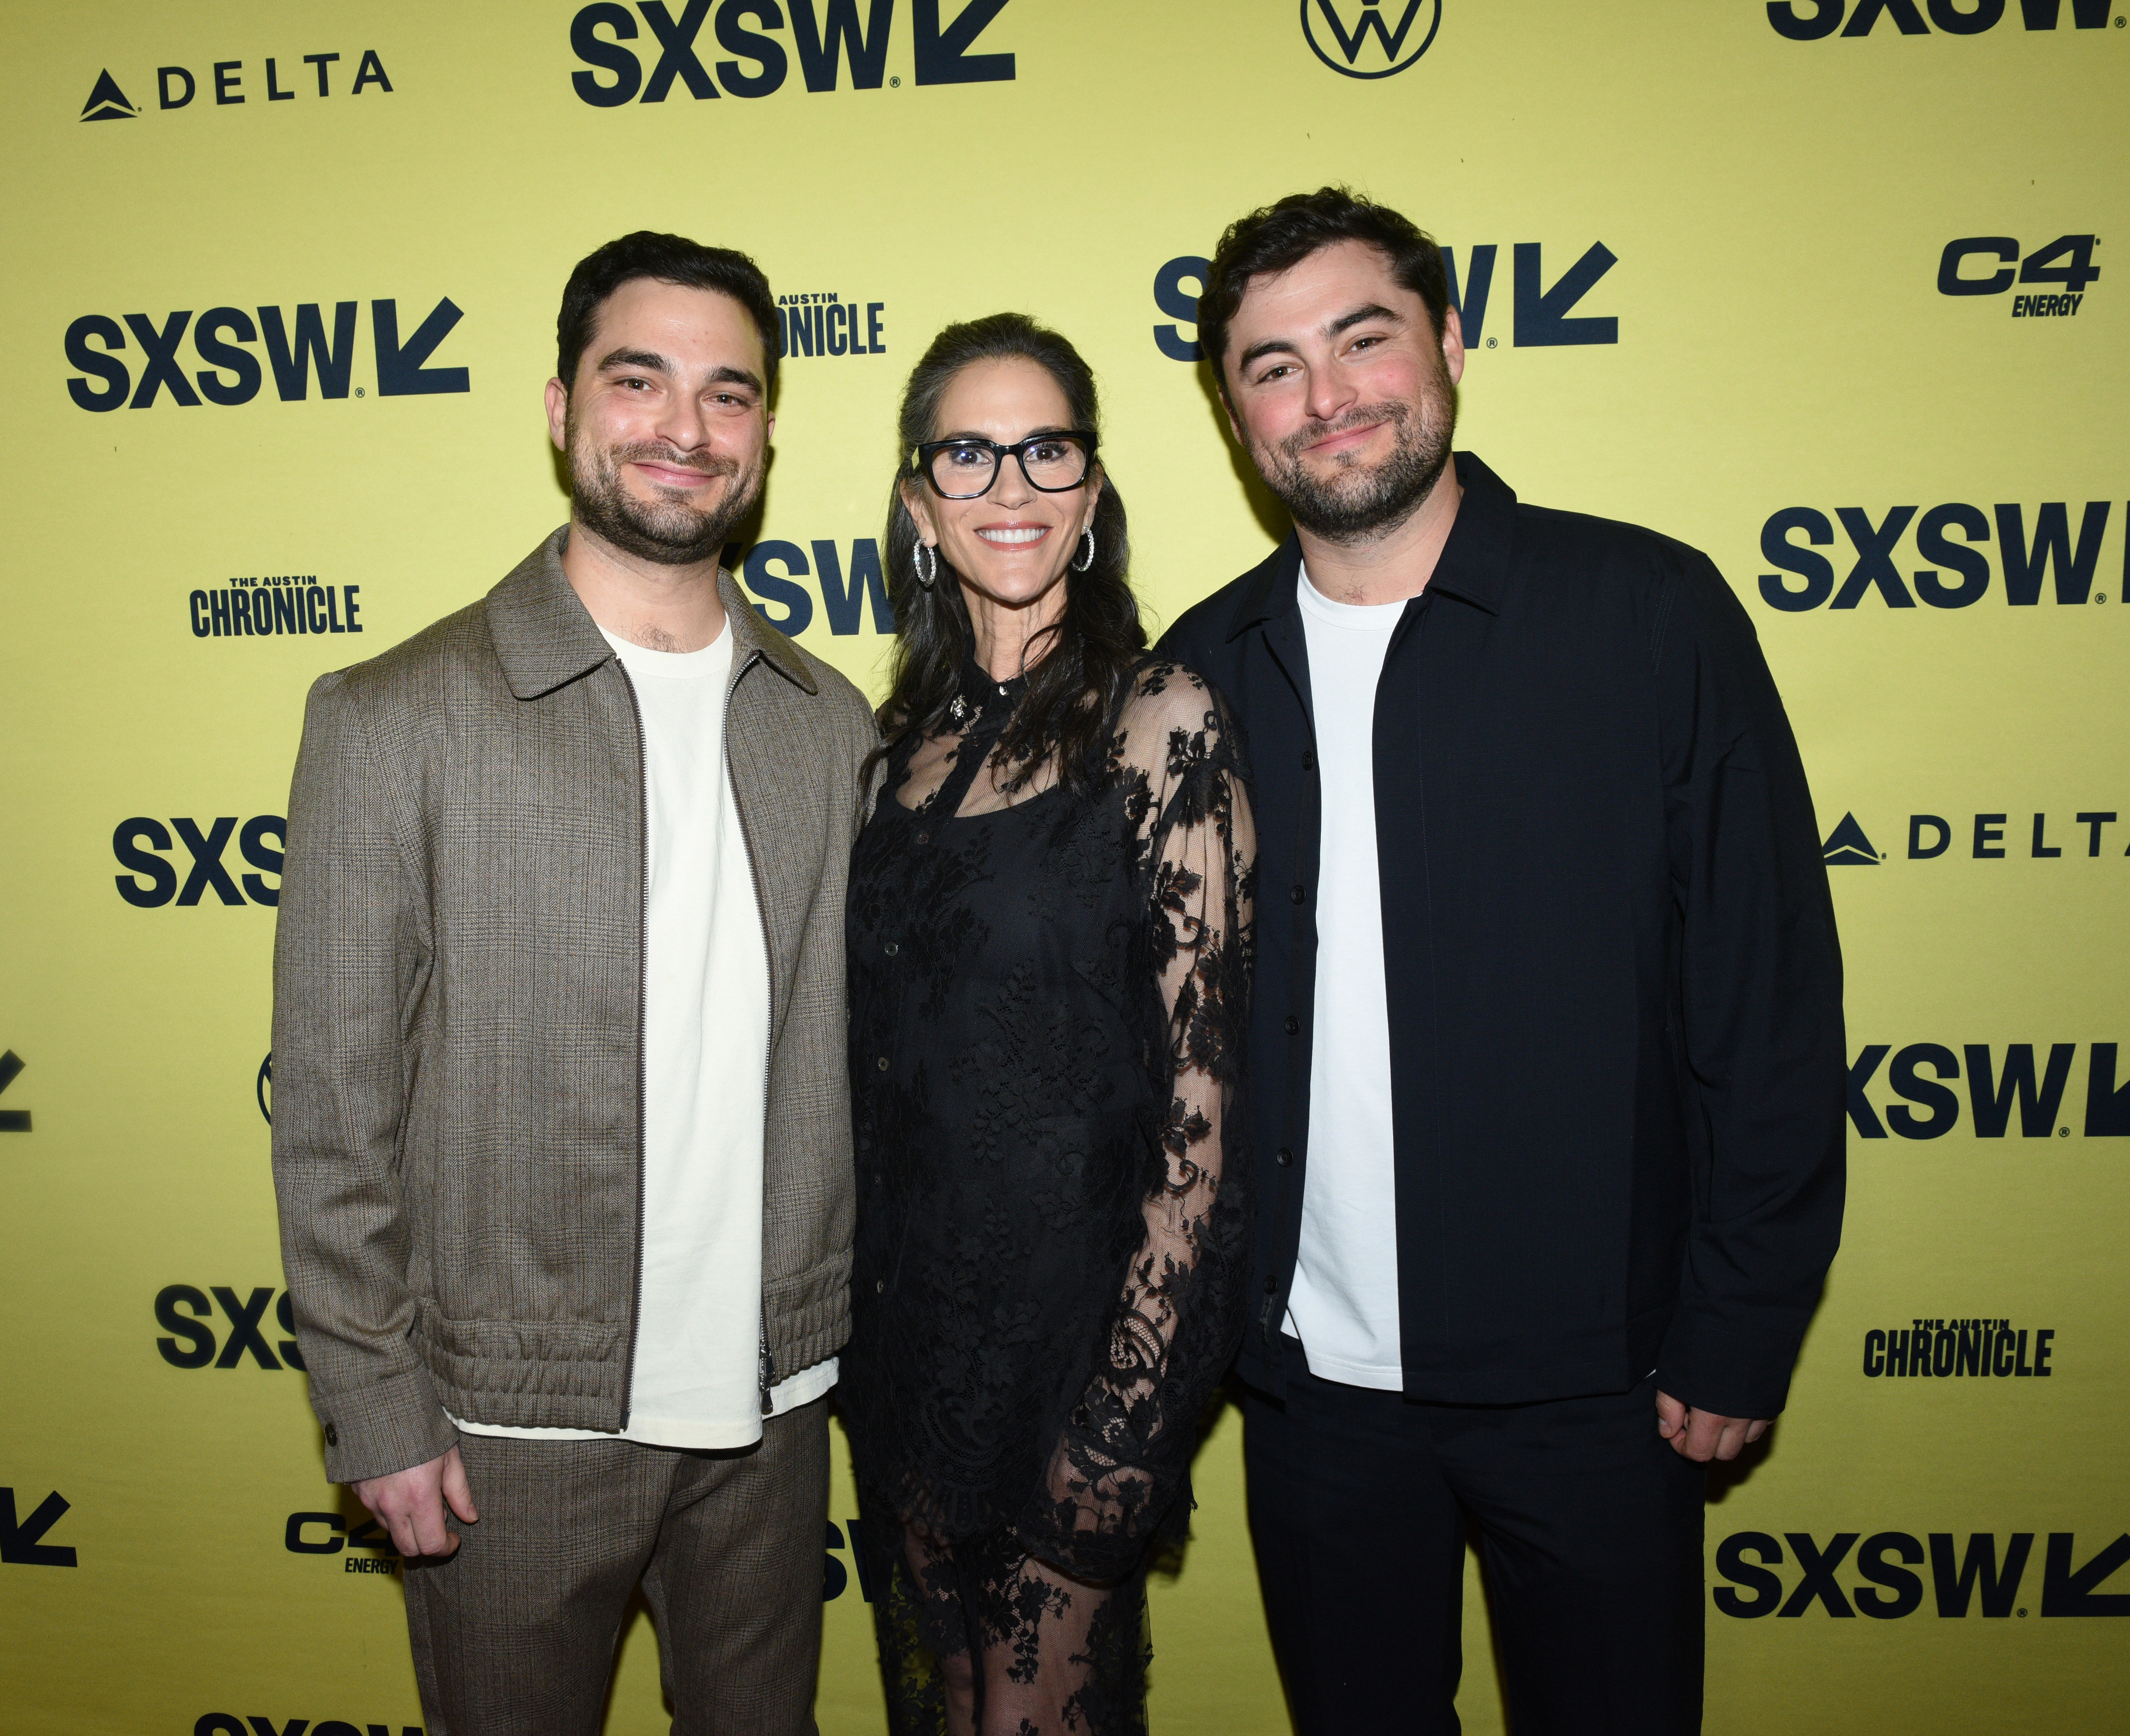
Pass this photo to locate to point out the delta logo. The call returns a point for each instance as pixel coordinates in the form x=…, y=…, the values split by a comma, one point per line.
x=1810, y=21
x=1541, y=316
x=177, y=86
x=2036, y=557
x=827, y=36
x=1931, y=837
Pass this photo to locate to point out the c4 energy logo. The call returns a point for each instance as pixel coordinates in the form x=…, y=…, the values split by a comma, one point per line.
x=95, y=343
x=830, y=325
x=2066, y=261
x=1808, y=21
x=843, y=600
x=1981, y=1576
x=1951, y=538
x=1370, y=39
x=207, y=873
x=827, y=36
x=1929, y=1108
x=328, y=1534
x=1947, y=1350
x=1540, y=318
x=176, y=86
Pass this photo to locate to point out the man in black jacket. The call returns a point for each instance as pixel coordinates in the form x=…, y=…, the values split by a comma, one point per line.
x=1546, y=1052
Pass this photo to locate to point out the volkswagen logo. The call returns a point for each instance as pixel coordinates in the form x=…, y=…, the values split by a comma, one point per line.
x=1370, y=39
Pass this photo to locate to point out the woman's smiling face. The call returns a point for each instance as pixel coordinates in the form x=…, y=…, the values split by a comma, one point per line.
x=1011, y=545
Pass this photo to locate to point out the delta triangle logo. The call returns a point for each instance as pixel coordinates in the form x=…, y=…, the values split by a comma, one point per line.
x=1847, y=844
x=108, y=102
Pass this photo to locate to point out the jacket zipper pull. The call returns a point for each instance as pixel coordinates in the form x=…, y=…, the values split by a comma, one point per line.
x=766, y=1370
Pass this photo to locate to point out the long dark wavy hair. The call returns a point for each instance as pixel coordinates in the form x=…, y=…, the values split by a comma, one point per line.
x=1084, y=676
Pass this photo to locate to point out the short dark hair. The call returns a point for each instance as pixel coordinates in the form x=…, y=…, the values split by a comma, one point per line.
x=671, y=258
x=1279, y=237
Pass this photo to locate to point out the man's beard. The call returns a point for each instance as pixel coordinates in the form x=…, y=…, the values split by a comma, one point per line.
x=668, y=531
x=1355, y=503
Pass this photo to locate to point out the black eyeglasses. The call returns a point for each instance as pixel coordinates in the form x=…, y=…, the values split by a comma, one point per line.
x=966, y=468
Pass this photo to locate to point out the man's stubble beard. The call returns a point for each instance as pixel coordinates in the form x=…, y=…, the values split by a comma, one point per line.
x=1356, y=504
x=670, y=532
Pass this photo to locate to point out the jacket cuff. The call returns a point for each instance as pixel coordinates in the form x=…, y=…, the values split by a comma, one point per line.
x=373, y=1431
x=1713, y=1365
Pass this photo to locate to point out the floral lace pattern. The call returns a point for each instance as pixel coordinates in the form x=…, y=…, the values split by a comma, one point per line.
x=1048, y=996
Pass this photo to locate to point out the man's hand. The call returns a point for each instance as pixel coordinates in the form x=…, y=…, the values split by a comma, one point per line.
x=1702, y=1435
x=409, y=1504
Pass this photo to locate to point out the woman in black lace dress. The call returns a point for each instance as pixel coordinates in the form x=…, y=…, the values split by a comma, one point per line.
x=1049, y=952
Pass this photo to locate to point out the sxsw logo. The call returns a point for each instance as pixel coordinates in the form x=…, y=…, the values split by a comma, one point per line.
x=185, y=1314
x=227, y=1723
x=95, y=341
x=772, y=570
x=1951, y=538
x=1808, y=21
x=1980, y=1577
x=207, y=873
x=1918, y=1072
x=2066, y=261
x=826, y=36
x=22, y=1540
x=1370, y=39
x=175, y=86
x=1540, y=319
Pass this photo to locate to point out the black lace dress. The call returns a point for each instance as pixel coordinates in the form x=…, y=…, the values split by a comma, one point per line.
x=1048, y=993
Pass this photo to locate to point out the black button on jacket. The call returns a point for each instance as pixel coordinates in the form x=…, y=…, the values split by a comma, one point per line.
x=1614, y=984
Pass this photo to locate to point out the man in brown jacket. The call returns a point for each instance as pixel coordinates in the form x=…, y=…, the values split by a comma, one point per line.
x=562, y=1140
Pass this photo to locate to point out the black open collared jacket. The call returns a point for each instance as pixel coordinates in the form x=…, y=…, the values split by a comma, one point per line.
x=1614, y=987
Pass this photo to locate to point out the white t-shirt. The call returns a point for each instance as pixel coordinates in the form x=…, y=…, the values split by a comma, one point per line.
x=1344, y=1305
x=696, y=1381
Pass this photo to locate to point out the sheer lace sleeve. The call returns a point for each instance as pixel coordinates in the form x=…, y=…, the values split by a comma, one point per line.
x=1126, y=1448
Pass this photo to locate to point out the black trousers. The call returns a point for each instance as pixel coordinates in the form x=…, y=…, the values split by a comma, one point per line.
x=1590, y=1530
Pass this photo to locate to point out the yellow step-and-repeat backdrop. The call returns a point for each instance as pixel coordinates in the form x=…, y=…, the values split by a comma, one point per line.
x=1825, y=287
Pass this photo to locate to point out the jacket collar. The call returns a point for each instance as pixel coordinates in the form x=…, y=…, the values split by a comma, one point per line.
x=545, y=638
x=1473, y=567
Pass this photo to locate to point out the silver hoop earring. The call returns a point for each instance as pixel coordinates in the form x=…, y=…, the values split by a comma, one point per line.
x=1086, y=554
x=924, y=560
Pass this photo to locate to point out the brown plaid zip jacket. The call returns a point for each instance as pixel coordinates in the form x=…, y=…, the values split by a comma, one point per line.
x=458, y=1018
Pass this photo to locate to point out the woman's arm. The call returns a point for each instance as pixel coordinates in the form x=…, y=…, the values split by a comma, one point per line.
x=1173, y=1330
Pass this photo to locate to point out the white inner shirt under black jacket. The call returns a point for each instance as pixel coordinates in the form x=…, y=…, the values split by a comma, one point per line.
x=696, y=1379
x=1343, y=1305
